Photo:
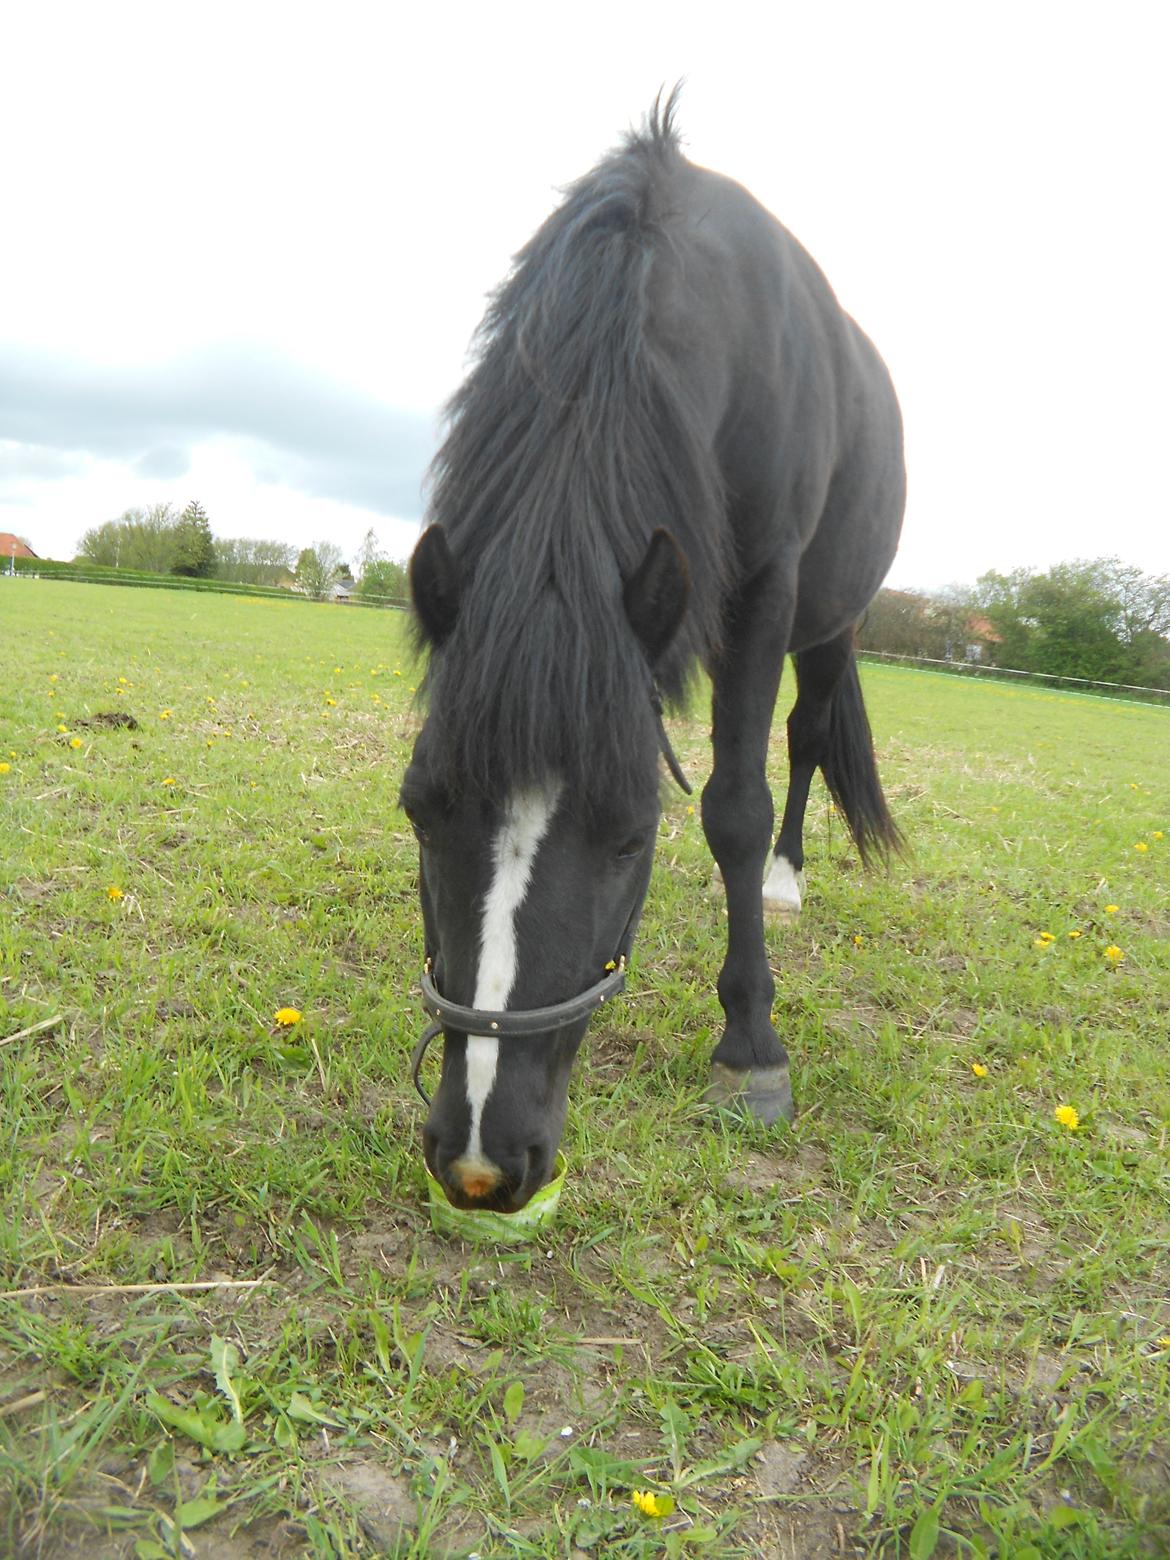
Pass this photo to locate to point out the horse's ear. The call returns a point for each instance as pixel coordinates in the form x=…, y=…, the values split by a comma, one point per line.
x=656, y=594
x=435, y=586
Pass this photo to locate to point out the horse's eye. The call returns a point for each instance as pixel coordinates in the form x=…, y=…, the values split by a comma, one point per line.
x=634, y=846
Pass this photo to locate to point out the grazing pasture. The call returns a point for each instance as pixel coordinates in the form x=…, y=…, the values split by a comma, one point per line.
x=930, y=1318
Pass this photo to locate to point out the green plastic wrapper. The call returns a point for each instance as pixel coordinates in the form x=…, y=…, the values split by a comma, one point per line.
x=503, y=1228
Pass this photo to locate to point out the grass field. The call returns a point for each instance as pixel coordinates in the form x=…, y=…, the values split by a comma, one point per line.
x=929, y=1319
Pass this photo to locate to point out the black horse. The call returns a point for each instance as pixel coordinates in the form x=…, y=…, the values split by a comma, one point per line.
x=674, y=449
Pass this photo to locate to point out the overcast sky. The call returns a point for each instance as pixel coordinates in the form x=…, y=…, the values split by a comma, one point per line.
x=245, y=246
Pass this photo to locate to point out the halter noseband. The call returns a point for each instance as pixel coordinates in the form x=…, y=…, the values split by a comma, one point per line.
x=511, y=1023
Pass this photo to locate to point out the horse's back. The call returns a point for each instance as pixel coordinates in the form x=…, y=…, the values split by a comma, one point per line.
x=797, y=401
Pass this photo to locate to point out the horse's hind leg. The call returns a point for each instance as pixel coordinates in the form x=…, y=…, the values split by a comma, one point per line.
x=749, y=1068
x=818, y=671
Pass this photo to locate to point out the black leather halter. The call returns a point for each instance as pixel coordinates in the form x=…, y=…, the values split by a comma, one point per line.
x=510, y=1023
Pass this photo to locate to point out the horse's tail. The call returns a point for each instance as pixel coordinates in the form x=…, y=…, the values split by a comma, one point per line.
x=850, y=771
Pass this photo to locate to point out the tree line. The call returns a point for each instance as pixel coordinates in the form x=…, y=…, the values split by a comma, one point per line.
x=1097, y=618
x=164, y=540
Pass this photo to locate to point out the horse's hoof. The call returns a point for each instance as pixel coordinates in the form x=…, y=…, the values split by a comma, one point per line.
x=763, y=1093
x=783, y=889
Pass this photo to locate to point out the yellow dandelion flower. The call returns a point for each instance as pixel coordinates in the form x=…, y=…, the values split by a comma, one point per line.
x=124, y=681
x=114, y=892
x=164, y=714
x=979, y=1069
x=63, y=729
x=1164, y=1343
x=1157, y=835
x=1141, y=846
x=1074, y=934
x=74, y=742
x=332, y=702
x=1046, y=937
x=1112, y=909
x=858, y=940
x=170, y=780
x=286, y=1017
x=5, y=768
x=1114, y=954
x=1042, y=942
x=651, y=1505
x=52, y=677
x=1067, y=1116
x=690, y=812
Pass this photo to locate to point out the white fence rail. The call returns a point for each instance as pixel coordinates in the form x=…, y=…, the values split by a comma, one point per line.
x=1008, y=673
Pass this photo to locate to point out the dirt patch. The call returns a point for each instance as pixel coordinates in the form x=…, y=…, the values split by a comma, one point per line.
x=797, y=1172
x=381, y=1500
x=110, y=719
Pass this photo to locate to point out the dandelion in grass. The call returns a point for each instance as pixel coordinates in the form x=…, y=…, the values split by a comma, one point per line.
x=286, y=1017
x=1141, y=847
x=75, y=742
x=1114, y=954
x=858, y=940
x=1112, y=909
x=1045, y=940
x=1074, y=934
x=170, y=780
x=164, y=714
x=1068, y=1117
x=114, y=893
x=651, y=1505
x=1164, y=1344
x=63, y=729
x=1157, y=835
x=5, y=769
x=979, y=1069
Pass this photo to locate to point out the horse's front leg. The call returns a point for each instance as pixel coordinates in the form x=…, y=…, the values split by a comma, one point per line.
x=749, y=1067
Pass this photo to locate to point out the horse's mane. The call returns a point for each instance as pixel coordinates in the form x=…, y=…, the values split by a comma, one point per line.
x=571, y=441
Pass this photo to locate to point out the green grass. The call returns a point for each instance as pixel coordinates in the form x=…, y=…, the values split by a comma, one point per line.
x=927, y=1319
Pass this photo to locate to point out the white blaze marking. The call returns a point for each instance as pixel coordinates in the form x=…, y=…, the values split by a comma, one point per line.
x=783, y=886
x=526, y=820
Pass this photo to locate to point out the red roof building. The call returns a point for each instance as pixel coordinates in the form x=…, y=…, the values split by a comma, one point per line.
x=12, y=546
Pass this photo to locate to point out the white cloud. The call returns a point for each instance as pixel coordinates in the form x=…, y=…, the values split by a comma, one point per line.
x=983, y=186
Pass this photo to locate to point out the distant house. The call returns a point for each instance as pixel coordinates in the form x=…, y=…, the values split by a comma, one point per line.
x=12, y=546
x=981, y=646
x=342, y=589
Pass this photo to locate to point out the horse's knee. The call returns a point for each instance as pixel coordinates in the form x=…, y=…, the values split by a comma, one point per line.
x=737, y=819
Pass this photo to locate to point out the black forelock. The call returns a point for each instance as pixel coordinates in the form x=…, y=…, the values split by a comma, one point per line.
x=572, y=440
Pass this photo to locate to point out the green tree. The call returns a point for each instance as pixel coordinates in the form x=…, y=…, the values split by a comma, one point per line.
x=1095, y=618
x=249, y=561
x=194, y=544
x=139, y=539
x=317, y=568
x=384, y=582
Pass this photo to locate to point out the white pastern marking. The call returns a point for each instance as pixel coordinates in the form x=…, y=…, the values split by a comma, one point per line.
x=783, y=886
x=526, y=820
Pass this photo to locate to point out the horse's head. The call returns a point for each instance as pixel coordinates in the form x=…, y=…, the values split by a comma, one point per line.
x=530, y=895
